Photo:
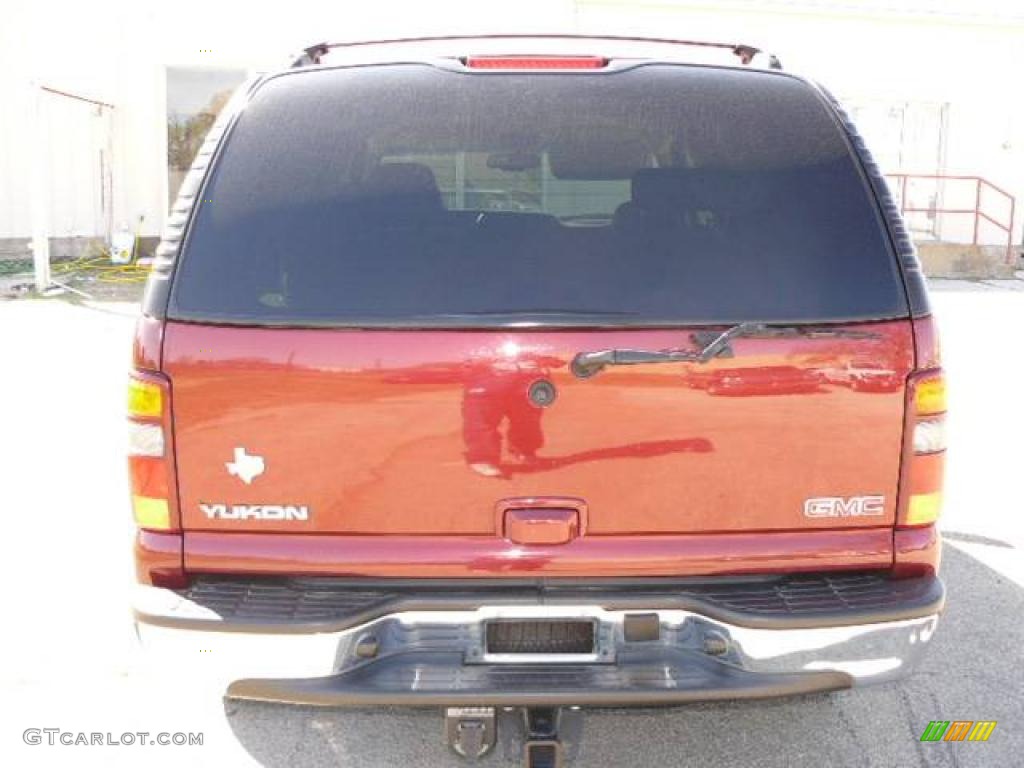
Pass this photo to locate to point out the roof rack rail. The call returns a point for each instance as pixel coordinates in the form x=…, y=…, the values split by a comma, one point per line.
x=311, y=56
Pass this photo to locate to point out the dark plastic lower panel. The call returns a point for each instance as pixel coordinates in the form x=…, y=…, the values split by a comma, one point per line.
x=656, y=677
x=310, y=605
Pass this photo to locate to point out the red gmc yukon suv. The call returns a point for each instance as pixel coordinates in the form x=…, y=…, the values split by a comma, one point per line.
x=513, y=373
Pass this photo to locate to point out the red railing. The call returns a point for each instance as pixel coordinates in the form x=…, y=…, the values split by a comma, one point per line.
x=980, y=184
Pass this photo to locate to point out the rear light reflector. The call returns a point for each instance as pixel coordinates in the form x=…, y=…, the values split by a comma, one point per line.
x=924, y=508
x=930, y=394
x=150, y=464
x=535, y=62
x=151, y=514
x=145, y=399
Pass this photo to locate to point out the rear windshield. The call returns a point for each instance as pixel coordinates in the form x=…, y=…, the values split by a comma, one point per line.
x=415, y=195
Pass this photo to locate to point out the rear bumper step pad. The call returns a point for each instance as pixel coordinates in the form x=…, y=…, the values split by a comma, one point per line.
x=312, y=605
x=657, y=676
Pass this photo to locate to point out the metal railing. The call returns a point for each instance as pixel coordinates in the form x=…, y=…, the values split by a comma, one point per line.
x=981, y=185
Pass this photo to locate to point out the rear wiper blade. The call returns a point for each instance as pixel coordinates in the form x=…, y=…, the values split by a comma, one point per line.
x=710, y=345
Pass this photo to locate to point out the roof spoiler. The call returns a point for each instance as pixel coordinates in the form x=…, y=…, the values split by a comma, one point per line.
x=747, y=54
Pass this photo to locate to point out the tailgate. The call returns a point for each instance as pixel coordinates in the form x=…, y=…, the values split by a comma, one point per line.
x=429, y=432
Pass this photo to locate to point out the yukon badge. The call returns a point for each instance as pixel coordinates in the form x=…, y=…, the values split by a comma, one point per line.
x=273, y=512
x=850, y=506
x=245, y=467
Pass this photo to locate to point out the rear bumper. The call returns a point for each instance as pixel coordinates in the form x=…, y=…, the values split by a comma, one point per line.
x=326, y=643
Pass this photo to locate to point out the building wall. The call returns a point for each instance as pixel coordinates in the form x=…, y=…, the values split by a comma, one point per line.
x=877, y=56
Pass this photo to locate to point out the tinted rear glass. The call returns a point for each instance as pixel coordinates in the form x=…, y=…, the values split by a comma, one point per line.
x=412, y=194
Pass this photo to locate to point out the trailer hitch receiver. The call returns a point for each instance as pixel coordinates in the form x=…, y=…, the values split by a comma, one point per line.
x=543, y=748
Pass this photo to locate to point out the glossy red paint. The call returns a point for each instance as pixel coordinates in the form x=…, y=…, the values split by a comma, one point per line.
x=916, y=551
x=926, y=342
x=767, y=380
x=392, y=434
x=146, y=346
x=159, y=559
x=494, y=557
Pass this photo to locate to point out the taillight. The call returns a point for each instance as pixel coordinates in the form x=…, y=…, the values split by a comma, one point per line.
x=149, y=453
x=535, y=62
x=925, y=454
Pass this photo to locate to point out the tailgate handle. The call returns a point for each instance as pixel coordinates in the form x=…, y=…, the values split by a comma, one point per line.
x=541, y=526
x=541, y=521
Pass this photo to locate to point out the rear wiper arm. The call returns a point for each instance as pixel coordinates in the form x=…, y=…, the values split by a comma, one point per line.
x=587, y=364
